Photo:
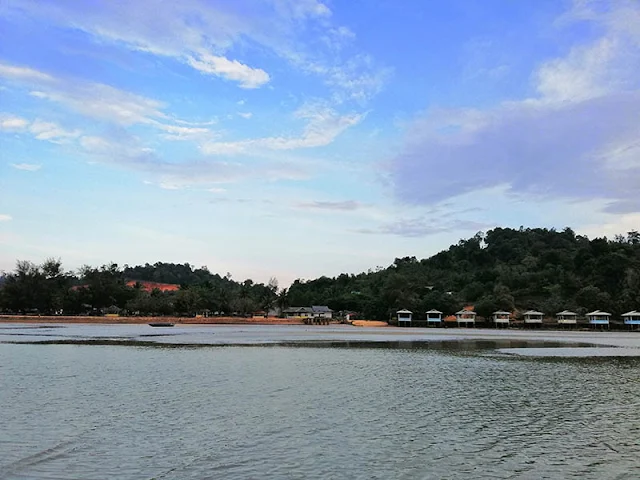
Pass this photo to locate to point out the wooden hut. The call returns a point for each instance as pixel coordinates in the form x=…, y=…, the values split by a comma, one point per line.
x=533, y=317
x=434, y=317
x=598, y=318
x=404, y=317
x=466, y=317
x=567, y=317
x=632, y=318
x=501, y=318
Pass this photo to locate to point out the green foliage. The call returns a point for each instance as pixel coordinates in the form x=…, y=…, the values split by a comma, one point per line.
x=503, y=269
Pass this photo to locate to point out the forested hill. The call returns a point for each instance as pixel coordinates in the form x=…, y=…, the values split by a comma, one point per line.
x=503, y=269
x=506, y=269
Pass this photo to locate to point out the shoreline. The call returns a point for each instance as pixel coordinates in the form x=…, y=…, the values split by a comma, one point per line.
x=62, y=319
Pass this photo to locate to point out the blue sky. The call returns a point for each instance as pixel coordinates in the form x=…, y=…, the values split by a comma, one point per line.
x=298, y=138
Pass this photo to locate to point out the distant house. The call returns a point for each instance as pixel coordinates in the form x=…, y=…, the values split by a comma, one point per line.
x=631, y=318
x=532, y=317
x=434, y=317
x=321, y=311
x=404, y=317
x=501, y=317
x=598, y=318
x=298, y=312
x=259, y=314
x=316, y=311
x=466, y=317
x=567, y=317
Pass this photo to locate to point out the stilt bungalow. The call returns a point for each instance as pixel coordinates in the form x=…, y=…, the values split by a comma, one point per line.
x=567, y=317
x=434, y=317
x=632, y=318
x=466, y=317
x=533, y=317
x=501, y=318
x=598, y=318
x=298, y=312
x=404, y=318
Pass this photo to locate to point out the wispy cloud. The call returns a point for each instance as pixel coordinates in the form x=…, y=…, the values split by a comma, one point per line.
x=97, y=101
x=342, y=206
x=12, y=122
x=575, y=139
x=323, y=125
x=205, y=44
x=27, y=167
x=423, y=227
x=5, y=218
x=246, y=76
x=41, y=130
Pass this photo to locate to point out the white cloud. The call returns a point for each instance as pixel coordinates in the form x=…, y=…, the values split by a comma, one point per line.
x=52, y=132
x=323, y=125
x=576, y=139
x=279, y=26
x=585, y=73
x=422, y=227
x=5, y=218
x=246, y=76
x=22, y=73
x=103, y=102
x=11, y=122
x=342, y=206
x=28, y=167
x=246, y=115
x=41, y=130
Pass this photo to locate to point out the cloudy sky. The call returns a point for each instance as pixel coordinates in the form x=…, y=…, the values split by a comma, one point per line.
x=297, y=138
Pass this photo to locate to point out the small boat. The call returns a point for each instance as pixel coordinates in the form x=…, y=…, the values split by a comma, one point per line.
x=161, y=324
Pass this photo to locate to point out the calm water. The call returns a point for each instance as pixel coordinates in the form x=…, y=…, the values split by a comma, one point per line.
x=102, y=412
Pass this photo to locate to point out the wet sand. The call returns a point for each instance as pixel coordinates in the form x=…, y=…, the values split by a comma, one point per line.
x=146, y=320
x=540, y=343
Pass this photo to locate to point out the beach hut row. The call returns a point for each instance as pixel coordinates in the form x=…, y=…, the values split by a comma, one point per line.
x=531, y=317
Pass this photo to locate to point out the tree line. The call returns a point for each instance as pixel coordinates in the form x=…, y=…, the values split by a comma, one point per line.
x=48, y=289
x=502, y=269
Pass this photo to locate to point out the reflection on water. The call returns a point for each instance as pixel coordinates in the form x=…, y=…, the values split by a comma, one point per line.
x=95, y=412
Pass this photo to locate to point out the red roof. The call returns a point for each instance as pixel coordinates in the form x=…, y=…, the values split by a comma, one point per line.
x=149, y=286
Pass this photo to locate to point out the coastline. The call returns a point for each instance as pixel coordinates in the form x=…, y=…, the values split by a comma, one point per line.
x=146, y=320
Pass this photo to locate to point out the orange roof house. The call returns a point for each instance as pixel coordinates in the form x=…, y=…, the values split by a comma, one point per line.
x=150, y=286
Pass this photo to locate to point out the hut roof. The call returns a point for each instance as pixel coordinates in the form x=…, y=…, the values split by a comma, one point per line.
x=404, y=311
x=566, y=312
x=598, y=312
x=466, y=312
x=632, y=313
x=533, y=312
x=321, y=309
x=501, y=312
x=433, y=310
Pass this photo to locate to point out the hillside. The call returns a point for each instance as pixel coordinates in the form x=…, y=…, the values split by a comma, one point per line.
x=502, y=269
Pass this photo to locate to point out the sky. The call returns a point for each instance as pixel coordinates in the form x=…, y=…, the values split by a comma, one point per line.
x=300, y=138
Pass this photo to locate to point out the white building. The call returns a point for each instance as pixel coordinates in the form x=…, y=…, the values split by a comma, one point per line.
x=597, y=317
x=434, y=317
x=632, y=318
x=501, y=317
x=533, y=317
x=404, y=318
x=567, y=317
x=466, y=317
